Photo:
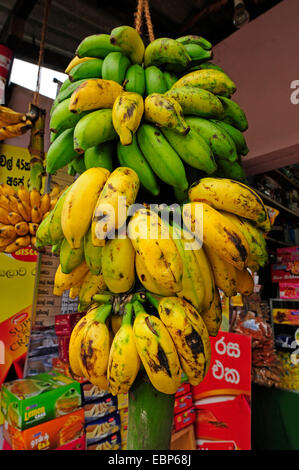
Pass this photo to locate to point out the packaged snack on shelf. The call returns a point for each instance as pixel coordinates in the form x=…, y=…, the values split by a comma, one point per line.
x=181, y=420
x=91, y=392
x=101, y=407
x=112, y=442
x=34, y=400
x=63, y=367
x=102, y=427
x=63, y=348
x=124, y=415
x=124, y=432
x=183, y=389
x=52, y=434
x=64, y=323
x=289, y=290
x=122, y=400
x=288, y=271
x=289, y=253
x=182, y=403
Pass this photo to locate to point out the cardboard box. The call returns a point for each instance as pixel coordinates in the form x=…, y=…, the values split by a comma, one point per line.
x=65, y=323
x=289, y=290
x=184, y=419
x=112, y=442
x=102, y=427
x=182, y=403
x=101, y=407
x=34, y=400
x=77, y=444
x=52, y=434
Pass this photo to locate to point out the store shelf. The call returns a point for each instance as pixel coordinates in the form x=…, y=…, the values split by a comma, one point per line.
x=279, y=242
x=184, y=439
x=271, y=202
x=284, y=180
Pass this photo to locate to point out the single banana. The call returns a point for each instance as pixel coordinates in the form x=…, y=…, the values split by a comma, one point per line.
x=245, y=282
x=42, y=233
x=129, y=41
x=124, y=362
x=190, y=336
x=218, y=233
x=21, y=228
x=22, y=242
x=170, y=79
x=231, y=196
x=110, y=212
x=93, y=129
x=94, y=94
x=194, y=39
x=79, y=204
x=87, y=69
x=55, y=232
x=9, y=231
x=4, y=216
x=70, y=257
x=154, y=81
x=193, y=149
x=75, y=61
x=118, y=265
x=115, y=66
x=164, y=111
x=135, y=79
x=225, y=274
x=96, y=45
x=215, y=81
x=131, y=156
x=152, y=241
x=197, y=53
x=162, y=158
x=13, y=218
x=100, y=155
x=207, y=276
x=234, y=171
x=234, y=114
x=45, y=203
x=127, y=113
x=221, y=143
x=23, y=194
x=78, y=165
x=197, y=101
x=167, y=53
x=156, y=351
x=7, y=190
x=63, y=282
x=61, y=151
x=147, y=280
x=92, y=254
x=14, y=130
x=212, y=317
x=236, y=135
x=62, y=118
x=92, y=284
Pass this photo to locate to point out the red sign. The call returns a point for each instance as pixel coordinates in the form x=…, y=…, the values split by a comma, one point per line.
x=25, y=254
x=222, y=400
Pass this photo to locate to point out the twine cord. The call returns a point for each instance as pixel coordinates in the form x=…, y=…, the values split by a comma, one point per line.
x=143, y=9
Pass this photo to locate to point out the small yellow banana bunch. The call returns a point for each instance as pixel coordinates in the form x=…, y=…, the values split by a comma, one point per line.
x=21, y=212
x=12, y=123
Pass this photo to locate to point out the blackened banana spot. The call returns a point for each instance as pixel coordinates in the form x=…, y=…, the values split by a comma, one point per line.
x=234, y=237
x=195, y=343
x=130, y=111
x=167, y=311
x=162, y=358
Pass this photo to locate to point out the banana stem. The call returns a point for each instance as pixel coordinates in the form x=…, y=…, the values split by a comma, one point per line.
x=138, y=308
x=127, y=318
x=102, y=298
x=102, y=313
x=152, y=300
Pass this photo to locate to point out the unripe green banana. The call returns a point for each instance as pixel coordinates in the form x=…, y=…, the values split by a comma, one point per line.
x=219, y=140
x=170, y=79
x=197, y=53
x=234, y=114
x=167, y=53
x=42, y=233
x=96, y=45
x=61, y=151
x=55, y=230
x=132, y=157
x=65, y=84
x=197, y=101
x=163, y=160
x=78, y=164
x=154, y=81
x=69, y=257
x=135, y=79
x=236, y=135
x=92, y=254
x=71, y=170
x=193, y=149
x=100, y=156
x=62, y=118
x=90, y=69
x=93, y=129
x=115, y=66
x=194, y=39
x=234, y=171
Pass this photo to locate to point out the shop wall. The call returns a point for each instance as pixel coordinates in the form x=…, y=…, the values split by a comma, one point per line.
x=262, y=59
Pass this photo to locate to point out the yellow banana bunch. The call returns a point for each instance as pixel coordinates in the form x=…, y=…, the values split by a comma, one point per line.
x=110, y=211
x=118, y=265
x=225, y=274
x=156, y=351
x=79, y=204
x=92, y=284
x=63, y=282
x=8, y=131
x=190, y=336
x=147, y=280
x=165, y=111
x=212, y=317
x=152, y=242
x=10, y=117
x=94, y=94
x=127, y=113
x=124, y=361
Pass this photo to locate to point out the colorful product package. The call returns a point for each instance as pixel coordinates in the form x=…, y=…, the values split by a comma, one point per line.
x=52, y=434
x=288, y=271
x=112, y=442
x=91, y=392
x=101, y=407
x=182, y=403
x=124, y=415
x=63, y=368
x=39, y=398
x=183, y=389
x=123, y=400
x=289, y=290
x=184, y=419
x=63, y=348
x=77, y=444
x=290, y=253
x=102, y=427
x=64, y=323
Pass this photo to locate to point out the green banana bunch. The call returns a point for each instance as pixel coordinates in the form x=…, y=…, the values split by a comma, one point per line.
x=129, y=41
x=154, y=81
x=197, y=53
x=170, y=78
x=42, y=233
x=69, y=257
x=61, y=151
x=156, y=351
x=132, y=157
x=92, y=254
x=193, y=149
x=55, y=230
x=233, y=170
x=115, y=66
x=194, y=39
x=234, y=114
x=167, y=53
x=236, y=135
x=222, y=145
x=135, y=79
x=161, y=157
x=124, y=362
x=96, y=45
x=100, y=156
x=197, y=101
x=62, y=118
x=93, y=129
x=89, y=69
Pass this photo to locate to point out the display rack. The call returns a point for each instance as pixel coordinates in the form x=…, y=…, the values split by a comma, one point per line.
x=183, y=439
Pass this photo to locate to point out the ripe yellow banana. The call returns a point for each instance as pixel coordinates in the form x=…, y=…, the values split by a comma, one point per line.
x=245, y=282
x=14, y=130
x=212, y=80
x=8, y=232
x=127, y=113
x=124, y=361
x=190, y=336
x=110, y=212
x=118, y=265
x=212, y=317
x=4, y=216
x=7, y=190
x=231, y=196
x=92, y=284
x=207, y=276
x=165, y=111
x=129, y=41
x=147, y=280
x=225, y=274
x=45, y=203
x=156, y=351
x=63, y=282
x=94, y=94
x=14, y=218
x=218, y=233
x=95, y=345
x=9, y=116
x=21, y=228
x=75, y=61
x=79, y=204
x=152, y=241
x=35, y=198
x=92, y=254
x=70, y=257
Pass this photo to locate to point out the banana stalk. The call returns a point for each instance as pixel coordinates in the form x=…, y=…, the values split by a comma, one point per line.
x=36, y=148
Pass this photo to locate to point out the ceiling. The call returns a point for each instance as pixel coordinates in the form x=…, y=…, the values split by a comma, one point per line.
x=69, y=21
